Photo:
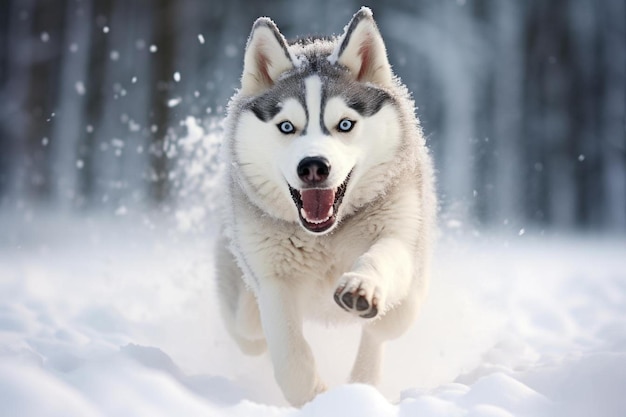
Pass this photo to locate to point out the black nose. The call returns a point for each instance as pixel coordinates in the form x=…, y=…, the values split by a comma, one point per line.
x=313, y=170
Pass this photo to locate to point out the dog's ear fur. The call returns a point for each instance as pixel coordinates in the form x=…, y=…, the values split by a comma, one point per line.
x=361, y=49
x=266, y=58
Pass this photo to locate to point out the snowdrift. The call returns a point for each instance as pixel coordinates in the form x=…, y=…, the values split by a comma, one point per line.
x=118, y=317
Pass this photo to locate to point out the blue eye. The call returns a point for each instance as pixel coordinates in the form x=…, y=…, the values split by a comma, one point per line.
x=286, y=127
x=345, y=125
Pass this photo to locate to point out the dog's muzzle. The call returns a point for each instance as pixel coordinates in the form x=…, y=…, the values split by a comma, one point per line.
x=318, y=207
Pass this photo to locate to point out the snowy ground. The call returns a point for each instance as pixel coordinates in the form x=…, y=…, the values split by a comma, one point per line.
x=117, y=317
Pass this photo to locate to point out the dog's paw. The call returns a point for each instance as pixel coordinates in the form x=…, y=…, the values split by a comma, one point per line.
x=358, y=294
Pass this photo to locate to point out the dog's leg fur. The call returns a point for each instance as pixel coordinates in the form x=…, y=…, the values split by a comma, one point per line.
x=380, y=278
x=238, y=305
x=294, y=366
x=368, y=363
x=248, y=323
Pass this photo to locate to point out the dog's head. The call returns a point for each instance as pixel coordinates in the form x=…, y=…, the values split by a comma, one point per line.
x=316, y=124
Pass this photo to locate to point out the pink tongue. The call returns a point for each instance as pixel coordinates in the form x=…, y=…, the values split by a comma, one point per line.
x=317, y=204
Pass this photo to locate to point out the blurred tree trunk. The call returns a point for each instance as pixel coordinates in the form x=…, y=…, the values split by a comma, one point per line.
x=584, y=110
x=547, y=140
x=69, y=128
x=507, y=109
x=48, y=23
x=613, y=112
x=94, y=100
x=162, y=71
x=133, y=74
x=5, y=143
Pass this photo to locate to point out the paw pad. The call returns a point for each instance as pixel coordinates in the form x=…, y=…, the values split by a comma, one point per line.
x=356, y=301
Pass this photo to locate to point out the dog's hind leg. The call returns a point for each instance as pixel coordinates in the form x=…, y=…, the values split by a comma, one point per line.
x=248, y=331
x=367, y=366
x=238, y=305
x=368, y=363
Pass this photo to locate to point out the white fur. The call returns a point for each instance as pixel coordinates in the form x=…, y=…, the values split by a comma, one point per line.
x=378, y=249
x=313, y=91
x=315, y=143
x=264, y=54
x=365, y=41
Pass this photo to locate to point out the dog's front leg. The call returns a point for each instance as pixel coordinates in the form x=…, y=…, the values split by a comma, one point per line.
x=381, y=277
x=294, y=366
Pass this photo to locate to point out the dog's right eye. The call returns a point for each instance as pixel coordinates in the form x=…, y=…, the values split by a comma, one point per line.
x=286, y=127
x=345, y=125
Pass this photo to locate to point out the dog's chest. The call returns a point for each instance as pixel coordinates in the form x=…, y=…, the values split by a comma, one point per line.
x=302, y=258
x=316, y=258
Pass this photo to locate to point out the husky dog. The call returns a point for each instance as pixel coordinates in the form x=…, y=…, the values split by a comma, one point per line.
x=330, y=200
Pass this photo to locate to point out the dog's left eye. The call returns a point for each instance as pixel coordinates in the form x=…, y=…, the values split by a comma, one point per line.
x=345, y=125
x=286, y=127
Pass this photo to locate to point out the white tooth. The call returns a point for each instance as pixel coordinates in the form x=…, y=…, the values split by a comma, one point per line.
x=304, y=216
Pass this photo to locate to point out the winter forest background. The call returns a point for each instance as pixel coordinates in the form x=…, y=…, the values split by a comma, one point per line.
x=110, y=123
x=523, y=102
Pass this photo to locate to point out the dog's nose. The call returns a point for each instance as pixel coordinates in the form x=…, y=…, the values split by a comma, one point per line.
x=313, y=170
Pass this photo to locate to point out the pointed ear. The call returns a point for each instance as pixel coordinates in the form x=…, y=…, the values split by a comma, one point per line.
x=266, y=57
x=361, y=49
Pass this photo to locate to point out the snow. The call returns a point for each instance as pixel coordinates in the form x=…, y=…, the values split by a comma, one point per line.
x=116, y=316
x=173, y=102
x=80, y=88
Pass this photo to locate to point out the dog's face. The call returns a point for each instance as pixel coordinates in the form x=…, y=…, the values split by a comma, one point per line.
x=318, y=123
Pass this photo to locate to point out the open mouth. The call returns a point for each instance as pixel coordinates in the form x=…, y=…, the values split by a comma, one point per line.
x=317, y=207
